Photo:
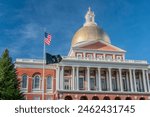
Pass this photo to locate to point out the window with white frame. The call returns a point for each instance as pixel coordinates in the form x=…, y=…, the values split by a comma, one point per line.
x=114, y=84
x=104, y=83
x=67, y=72
x=99, y=56
x=67, y=84
x=24, y=81
x=92, y=83
x=109, y=57
x=119, y=57
x=81, y=72
x=124, y=80
x=138, y=84
x=89, y=56
x=49, y=82
x=36, y=82
x=81, y=83
x=79, y=55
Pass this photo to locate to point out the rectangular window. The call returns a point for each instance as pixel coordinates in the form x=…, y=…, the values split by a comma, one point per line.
x=48, y=98
x=92, y=72
x=138, y=85
x=67, y=72
x=149, y=80
x=119, y=57
x=109, y=57
x=89, y=56
x=92, y=83
x=36, y=98
x=99, y=56
x=81, y=83
x=124, y=84
x=49, y=83
x=114, y=84
x=66, y=84
x=104, y=84
x=81, y=72
x=79, y=55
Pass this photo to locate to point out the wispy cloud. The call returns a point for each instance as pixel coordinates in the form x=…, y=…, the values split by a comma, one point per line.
x=30, y=31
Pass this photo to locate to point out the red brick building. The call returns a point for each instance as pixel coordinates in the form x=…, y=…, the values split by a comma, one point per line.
x=93, y=70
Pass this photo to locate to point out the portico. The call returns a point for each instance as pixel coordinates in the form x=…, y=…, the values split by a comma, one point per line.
x=110, y=79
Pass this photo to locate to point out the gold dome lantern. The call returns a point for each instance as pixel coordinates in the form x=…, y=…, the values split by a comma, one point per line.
x=90, y=31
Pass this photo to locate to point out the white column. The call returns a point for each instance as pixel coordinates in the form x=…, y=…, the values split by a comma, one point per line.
x=135, y=88
x=88, y=78
x=107, y=79
x=94, y=56
x=58, y=79
x=127, y=78
x=120, y=76
x=144, y=81
x=140, y=78
x=77, y=77
x=99, y=77
x=62, y=77
x=131, y=83
x=97, y=80
x=118, y=84
x=110, y=80
x=73, y=78
x=147, y=80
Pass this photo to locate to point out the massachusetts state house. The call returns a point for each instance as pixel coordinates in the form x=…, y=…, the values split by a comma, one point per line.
x=94, y=69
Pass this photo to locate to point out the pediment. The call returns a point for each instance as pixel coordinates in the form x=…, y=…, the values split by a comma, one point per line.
x=99, y=46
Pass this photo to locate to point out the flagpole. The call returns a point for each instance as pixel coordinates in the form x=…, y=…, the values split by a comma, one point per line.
x=43, y=71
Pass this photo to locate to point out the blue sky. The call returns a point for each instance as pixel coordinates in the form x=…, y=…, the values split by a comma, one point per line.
x=22, y=23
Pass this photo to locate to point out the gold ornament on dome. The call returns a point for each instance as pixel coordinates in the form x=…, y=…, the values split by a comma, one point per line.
x=90, y=31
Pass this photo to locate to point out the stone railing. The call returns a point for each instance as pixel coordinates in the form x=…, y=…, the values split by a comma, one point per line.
x=106, y=60
x=85, y=59
x=29, y=60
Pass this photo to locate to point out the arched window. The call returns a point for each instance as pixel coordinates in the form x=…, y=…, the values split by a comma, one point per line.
x=49, y=82
x=95, y=98
x=117, y=98
x=68, y=98
x=24, y=81
x=142, y=98
x=36, y=82
x=83, y=98
x=128, y=98
x=106, y=98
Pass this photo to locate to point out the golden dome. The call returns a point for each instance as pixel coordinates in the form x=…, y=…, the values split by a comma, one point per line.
x=90, y=31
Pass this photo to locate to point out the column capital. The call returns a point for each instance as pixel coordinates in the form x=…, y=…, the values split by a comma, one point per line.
x=98, y=69
x=120, y=69
x=109, y=68
x=131, y=68
x=134, y=69
x=145, y=69
x=88, y=67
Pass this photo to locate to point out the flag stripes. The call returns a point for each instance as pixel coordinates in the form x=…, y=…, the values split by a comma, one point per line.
x=47, y=39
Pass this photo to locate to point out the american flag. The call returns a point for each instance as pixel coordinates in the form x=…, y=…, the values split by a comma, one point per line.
x=47, y=39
